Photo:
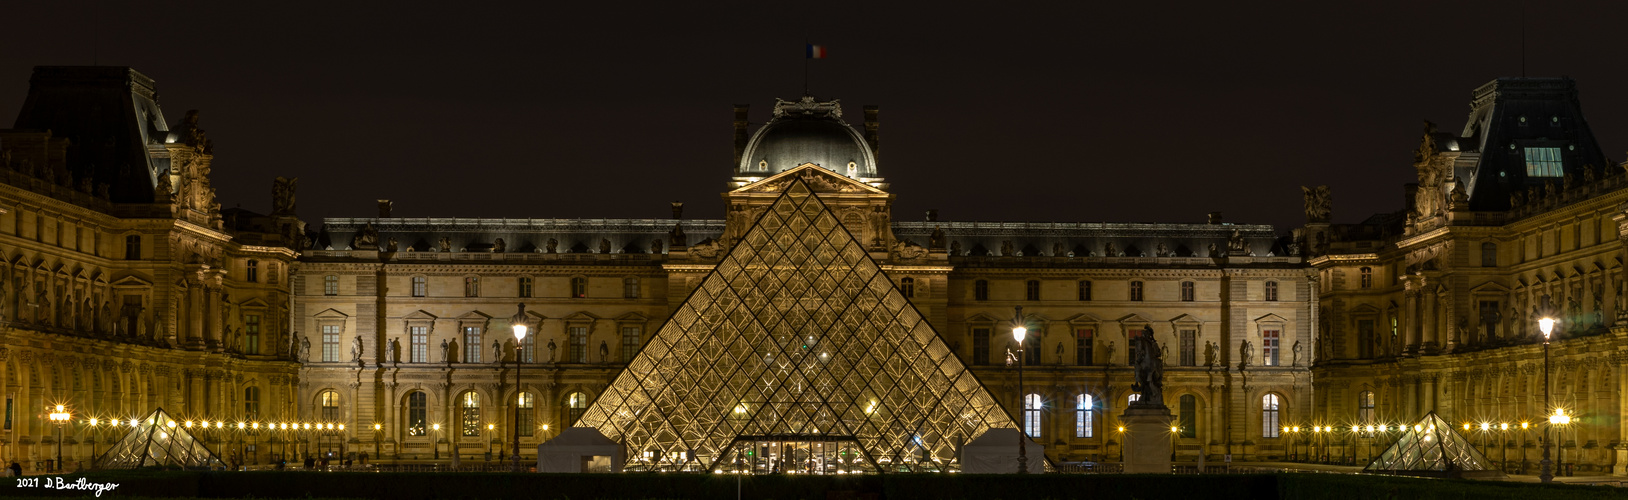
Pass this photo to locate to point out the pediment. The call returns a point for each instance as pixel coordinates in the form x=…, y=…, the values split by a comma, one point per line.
x=1186, y=319
x=331, y=313
x=581, y=316
x=421, y=314
x=981, y=318
x=633, y=317
x=254, y=302
x=818, y=179
x=1271, y=318
x=1083, y=318
x=132, y=281
x=474, y=315
x=1490, y=287
x=1367, y=309
x=1135, y=318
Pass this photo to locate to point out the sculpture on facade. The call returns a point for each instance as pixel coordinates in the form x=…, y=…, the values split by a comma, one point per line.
x=655, y=246
x=395, y=350
x=1209, y=353
x=707, y=249
x=282, y=195
x=1006, y=249
x=356, y=348
x=677, y=235
x=391, y=246
x=1236, y=244
x=497, y=352
x=553, y=245
x=551, y=350
x=955, y=248
x=1295, y=361
x=498, y=245
x=366, y=239
x=604, y=351
x=1319, y=203
x=1161, y=250
x=908, y=250
x=1108, y=354
x=1109, y=250
x=1244, y=351
x=936, y=240
x=604, y=245
x=446, y=351
x=445, y=244
x=305, y=348
x=1149, y=371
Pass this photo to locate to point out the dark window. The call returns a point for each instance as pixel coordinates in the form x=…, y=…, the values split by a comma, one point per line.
x=1084, y=290
x=471, y=286
x=1365, y=408
x=330, y=285
x=1187, y=292
x=1365, y=338
x=579, y=344
x=630, y=342
x=630, y=288
x=907, y=286
x=1136, y=291
x=1031, y=290
x=251, y=402
x=421, y=286
x=980, y=290
x=1367, y=277
x=1189, y=348
x=579, y=288
x=1031, y=349
x=251, y=334
x=1271, y=291
x=529, y=349
x=1490, y=319
x=417, y=406
x=472, y=344
x=330, y=343
x=1269, y=347
x=1189, y=416
x=1083, y=346
x=419, y=338
x=523, y=420
x=1489, y=254
x=251, y=271
x=1130, y=344
x=132, y=247
x=980, y=346
x=525, y=287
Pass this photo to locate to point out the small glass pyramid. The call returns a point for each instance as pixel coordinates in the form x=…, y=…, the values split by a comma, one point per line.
x=796, y=354
x=1431, y=448
x=157, y=440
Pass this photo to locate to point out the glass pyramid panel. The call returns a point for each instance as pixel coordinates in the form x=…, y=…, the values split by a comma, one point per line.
x=795, y=354
x=158, y=440
x=1431, y=447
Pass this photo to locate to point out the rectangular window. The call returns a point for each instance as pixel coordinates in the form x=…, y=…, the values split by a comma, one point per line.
x=523, y=419
x=251, y=271
x=330, y=343
x=630, y=288
x=132, y=247
x=907, y=286
x=525, y=287
x=530, y=350
x=980, y=346
x=1187, y=291
x=579, y=344
x=1031, y=290
x=1271, y=291
x=418, y=338
x=1367, y=277
x=1269, y=416
x=980, y=290
x=1365, y=408
x=1543, y=162
x=1130, y=345
x=579, y=288
x=1489, y=254
x=1031, y=350
x=8, y=413
x=421, y=286
x=472, y=344
x=1189, y=348
x=251, y=401
x=1269, y=347
x=1489, y=319
x=1188, y=422
x=251, y=334
x=330, y=285
x=1082, y=416
x=1083, y=346
x=471, y=286
x=1084, y=291
x=1365, y=338
x=630, y=342
x=1136, y=291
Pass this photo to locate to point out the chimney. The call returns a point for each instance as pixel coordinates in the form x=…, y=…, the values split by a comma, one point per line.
x=871, y=134
x=740, y=132
x=1215, y=218
x=678, y=210
x=384, y=208
x=932, y=215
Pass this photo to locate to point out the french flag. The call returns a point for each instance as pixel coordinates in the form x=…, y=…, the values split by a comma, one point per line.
x=816, y=51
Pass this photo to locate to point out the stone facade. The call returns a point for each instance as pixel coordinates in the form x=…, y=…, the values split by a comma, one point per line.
x=116, y=300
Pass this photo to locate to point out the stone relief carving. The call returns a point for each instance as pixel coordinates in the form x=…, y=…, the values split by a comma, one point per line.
x=707, y=249
x=366, y=239
x=908, y=250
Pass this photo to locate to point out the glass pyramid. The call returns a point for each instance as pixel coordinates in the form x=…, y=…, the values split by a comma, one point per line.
x=1431, y=448
x=157, y=440
x=795, y=354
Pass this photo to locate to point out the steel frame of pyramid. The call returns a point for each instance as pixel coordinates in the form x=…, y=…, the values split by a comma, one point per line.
x=158, y=440
x=1431, y=448
x=796, y=348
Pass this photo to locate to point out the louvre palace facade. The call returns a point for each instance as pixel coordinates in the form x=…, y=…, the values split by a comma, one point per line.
x=399, y=329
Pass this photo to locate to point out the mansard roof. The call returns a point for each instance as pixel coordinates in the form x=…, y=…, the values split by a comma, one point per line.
x=1509, y=115
x=111, y=118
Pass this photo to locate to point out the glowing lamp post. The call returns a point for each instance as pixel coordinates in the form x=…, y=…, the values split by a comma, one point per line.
x=1547, y=325
x=1019, y=331
x=60, y=417
x=518, y=323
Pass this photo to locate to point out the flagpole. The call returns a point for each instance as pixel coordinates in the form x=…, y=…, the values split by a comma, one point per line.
x=806, y=57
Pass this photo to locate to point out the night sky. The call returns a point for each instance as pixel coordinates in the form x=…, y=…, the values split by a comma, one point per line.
x=1072, y=111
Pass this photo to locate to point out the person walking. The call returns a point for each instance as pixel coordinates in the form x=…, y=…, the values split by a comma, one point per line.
x=16, y=469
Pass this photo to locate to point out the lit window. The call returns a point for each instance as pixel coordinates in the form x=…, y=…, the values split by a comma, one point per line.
x=1543, y=162
x=1269, y=416
x=417, y=411
x=524, y=417
x=330, y=285
x=419, y=338
x=529, y=349
x=1134, y=397
x=1271, y=291
x=575, y=405
x=579, y=287
x=1187, y=292
x=1269, y=347
x=421, y=286
x=1365, y=408
x=1136, y=291
x=330, y=405
x=471, y=286
x=469, y=406
x=472, y=344
x=1082, y=416
x=1031, y=415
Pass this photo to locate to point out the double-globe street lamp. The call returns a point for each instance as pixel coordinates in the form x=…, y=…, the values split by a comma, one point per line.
x=60, y=417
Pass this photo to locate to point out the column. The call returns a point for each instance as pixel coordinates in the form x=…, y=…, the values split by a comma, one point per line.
x=211, y=316
x=195, y=314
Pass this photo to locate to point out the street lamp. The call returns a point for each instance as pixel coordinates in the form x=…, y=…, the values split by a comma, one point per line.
x=377, y=429
x=1547, y=325
x=1561, y=419
x=1175, y=432
x=518, y=323
x=1121, y=445
x=1503, y=442
x=1019, y=331
x=60, y=417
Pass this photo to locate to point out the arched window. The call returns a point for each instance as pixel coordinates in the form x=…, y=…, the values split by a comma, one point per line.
x=251, y=271
x=421, y=286
x=1271, y=291
x=1489, y=254
x=575, y=405
x=1365, y=408
x=524, y=422
x=1136, y=291
x=329, y=401
x=630, y=288
x=471, y=286
x=907, y=286
x=1031, y=415
x=1082, y=416
x=469, y=413
x=579, y=287
x=1188, y=414
x=525, y=286
x=251, y=402
x=1188, y=294
x=1269, y=416
x=980, y=290
x=1031, y=290
x=330, y=285
x=1367, y=274
x=417, y=407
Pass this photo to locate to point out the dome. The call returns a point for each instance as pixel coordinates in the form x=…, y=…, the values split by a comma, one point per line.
x=807, y=132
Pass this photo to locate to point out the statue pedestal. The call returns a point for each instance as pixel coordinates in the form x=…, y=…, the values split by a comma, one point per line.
x=1147, y=439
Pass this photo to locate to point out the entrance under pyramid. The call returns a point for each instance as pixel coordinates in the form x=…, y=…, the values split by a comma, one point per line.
x=1431, y=448
x=158, y=440
x=795, y=354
